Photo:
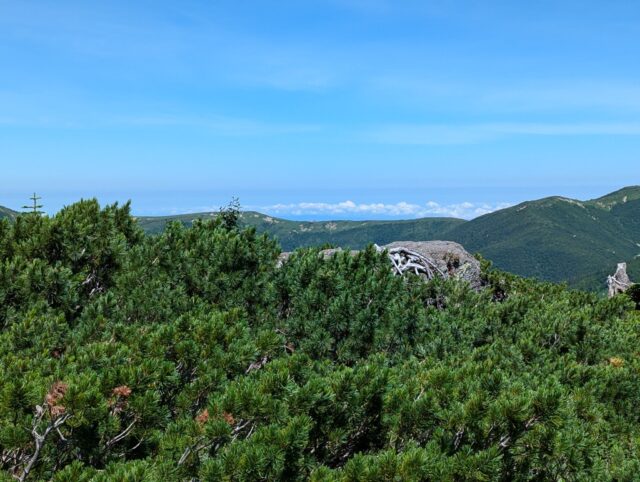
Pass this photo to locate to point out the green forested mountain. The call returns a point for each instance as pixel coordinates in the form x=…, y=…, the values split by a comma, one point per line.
x=560, y=239
x=296, y=234
x=6, y=213
x=554, y=239
x=190, y=356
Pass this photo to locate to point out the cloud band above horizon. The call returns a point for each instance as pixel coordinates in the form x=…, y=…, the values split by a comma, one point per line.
x=464, y=210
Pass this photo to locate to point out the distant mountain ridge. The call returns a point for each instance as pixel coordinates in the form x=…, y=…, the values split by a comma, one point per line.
x=556, y=238
x=560, y=239
x=6, y=213
x=296, y=234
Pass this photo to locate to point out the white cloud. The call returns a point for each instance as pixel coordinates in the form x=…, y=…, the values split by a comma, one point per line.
x=465, y=210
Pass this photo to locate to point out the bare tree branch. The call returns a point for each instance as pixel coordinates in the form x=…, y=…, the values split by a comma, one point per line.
x=122, y=435
x=40, y=438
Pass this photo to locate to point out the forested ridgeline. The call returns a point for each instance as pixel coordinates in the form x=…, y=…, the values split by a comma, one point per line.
x=190, y=356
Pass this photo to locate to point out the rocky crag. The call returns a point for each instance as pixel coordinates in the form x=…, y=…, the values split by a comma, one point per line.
x=429, y=259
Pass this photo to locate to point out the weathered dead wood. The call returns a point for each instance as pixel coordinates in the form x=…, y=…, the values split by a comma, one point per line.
x=121, y=436
x=39, y=439
x=258, y=364
x=405, y=260
x=203, y=443
x=619, y=282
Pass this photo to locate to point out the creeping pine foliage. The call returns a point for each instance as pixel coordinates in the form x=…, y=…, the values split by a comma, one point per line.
x=190, y=356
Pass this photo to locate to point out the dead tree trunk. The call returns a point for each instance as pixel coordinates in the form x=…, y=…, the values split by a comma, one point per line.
x=619, y=282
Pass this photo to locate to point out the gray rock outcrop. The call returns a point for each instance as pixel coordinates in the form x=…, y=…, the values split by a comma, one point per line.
x=429, y=259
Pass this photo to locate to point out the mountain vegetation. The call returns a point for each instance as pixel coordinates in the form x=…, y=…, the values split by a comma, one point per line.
x=554, y=239
x=296, y=234
x=190, y=356
x=560, y=239
x=6, y=213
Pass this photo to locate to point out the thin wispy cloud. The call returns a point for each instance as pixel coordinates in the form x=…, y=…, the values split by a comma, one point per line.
x=603, y=95
x=434, y=134
x=217, y=125
x=221, y=125
x=465, y=210
x=553, y=94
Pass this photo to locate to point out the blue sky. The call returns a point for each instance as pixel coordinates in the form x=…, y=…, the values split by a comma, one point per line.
x=318, y=109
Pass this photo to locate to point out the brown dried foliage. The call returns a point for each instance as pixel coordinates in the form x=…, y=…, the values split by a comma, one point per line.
x=203, y=417
x=122, y=391
x=616, y=362
x=228, y=418
x=54, y=396
x=56, y=393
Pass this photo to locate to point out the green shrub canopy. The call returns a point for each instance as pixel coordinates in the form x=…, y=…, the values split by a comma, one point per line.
x=190, y=356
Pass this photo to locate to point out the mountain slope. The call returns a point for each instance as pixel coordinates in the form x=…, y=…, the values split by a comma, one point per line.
x=352, y=234
x=555, y=239
x=6, y=213
x=559, y=239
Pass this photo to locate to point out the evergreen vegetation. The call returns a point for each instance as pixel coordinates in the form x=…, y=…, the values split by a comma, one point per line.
x=304, y=234
x=559, y=239
x=6, y=213
x=190, y=356
x=553, y=239
x=634, y=293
